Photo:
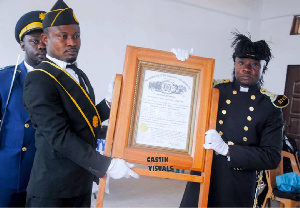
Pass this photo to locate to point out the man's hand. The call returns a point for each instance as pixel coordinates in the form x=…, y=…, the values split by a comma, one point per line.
x=214, y=141
x=182, y=54
x=119, y=168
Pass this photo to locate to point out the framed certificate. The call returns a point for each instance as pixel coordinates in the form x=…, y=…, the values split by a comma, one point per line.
x=160, y=110
x=164, y=109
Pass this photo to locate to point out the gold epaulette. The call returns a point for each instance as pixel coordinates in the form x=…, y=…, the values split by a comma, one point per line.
x=220, y=81
x=279, y=101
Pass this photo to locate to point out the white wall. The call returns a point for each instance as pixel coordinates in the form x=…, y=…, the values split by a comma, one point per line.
x=276, y=22
x=107, y=26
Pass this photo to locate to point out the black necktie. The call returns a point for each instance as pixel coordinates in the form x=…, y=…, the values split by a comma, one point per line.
x=79, y=74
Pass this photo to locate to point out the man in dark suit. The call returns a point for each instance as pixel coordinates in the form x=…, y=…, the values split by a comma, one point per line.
x=248, y=136
x=17, y=134
x=60, y=102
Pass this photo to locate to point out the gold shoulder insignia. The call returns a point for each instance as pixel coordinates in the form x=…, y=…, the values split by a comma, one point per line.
x=279, y=101
x=220, y=81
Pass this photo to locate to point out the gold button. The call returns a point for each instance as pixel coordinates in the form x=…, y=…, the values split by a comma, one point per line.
x=230, y=143
x=245, y=139
x=224, y=112
x=228, y=101
x=221, y=122
x=252, y=97
x=216, y=153
x=251, y=108
x=26, y=125
x=262, y=90
x=24, y=149
x=249, y=118
x=234, y=168
x=234, y=92
x=246, y=128
x=221, y=133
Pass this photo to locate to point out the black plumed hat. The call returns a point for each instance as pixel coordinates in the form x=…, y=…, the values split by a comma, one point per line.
x=245, y=48
x=60, y=14
x=27, y=23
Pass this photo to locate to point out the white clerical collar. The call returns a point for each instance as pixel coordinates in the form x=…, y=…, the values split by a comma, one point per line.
x=60, y=63
x=244, y=89
x=28, y=67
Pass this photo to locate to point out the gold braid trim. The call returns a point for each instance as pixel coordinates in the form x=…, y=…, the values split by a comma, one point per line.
x=74, y=101
x=279, y=101
x=58, y=15
x=33, y=25
x=220, y=81
x=86, y=95
x=271, y=95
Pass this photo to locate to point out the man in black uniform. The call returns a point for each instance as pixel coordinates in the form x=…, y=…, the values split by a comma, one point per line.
x=60, y=102
x=248, y=136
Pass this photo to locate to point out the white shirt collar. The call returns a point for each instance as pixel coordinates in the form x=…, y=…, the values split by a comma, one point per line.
x=64, y=66
x=60, y=63
x=28, y=67
x=244, y=89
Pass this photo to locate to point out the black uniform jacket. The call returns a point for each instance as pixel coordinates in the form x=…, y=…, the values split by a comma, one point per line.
x=252, y=127
x=67, y=123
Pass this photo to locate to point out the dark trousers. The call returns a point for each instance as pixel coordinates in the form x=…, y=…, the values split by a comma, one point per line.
x=78, y=201
x=191, y=195
x=12, y=198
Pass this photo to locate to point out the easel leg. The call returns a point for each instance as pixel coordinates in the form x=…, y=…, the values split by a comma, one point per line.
x=204, y=187
x=110, y=135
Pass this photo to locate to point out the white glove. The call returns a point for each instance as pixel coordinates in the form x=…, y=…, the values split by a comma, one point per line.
x=107, y=185
x=110, y=89
x=182, y=54
x=214, y=141
x=119, y=168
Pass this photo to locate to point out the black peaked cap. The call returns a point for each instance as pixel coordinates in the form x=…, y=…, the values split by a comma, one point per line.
x=29, y=22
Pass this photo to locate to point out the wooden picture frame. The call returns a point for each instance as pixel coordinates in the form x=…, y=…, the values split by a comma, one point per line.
x=137, y=62
x=145, y=72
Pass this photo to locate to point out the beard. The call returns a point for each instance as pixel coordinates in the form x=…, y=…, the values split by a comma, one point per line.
x=36, y=62
x=71, y=60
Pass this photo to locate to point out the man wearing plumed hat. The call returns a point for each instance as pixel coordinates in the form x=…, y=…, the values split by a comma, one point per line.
x=16, y=132
x=248, y=135
x=60, y=102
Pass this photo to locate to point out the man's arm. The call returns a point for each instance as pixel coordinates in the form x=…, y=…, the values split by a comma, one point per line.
x=268, y=154
x=103, y=110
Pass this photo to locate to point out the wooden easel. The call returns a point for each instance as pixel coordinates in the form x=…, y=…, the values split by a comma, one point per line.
x=204, y=179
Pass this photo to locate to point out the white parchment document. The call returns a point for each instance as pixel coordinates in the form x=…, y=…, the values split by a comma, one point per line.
x=165, y=110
